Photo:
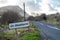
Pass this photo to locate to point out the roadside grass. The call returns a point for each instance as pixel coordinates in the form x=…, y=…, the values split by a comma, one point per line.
x=34, y=34
x=53, y=22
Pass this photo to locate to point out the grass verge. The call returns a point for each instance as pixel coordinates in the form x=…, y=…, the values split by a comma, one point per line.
x=34, y=34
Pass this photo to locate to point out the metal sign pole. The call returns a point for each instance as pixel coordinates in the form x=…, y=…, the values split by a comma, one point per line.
x=16, y=34
x=29, y=27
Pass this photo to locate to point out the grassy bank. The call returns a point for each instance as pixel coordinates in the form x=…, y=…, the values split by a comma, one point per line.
x=53, y=22
x=33, y=34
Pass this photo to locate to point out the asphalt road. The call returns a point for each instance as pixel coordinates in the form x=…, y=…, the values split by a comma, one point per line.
x=49, y=31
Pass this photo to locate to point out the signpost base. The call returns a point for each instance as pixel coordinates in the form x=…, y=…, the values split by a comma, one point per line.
x=17, y=36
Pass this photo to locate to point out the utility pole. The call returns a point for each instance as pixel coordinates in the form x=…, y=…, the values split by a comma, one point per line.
x=24, y=10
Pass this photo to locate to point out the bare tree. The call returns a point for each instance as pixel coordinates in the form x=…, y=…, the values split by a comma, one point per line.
x=10, y=17
x=44, y=17
x=30, y=18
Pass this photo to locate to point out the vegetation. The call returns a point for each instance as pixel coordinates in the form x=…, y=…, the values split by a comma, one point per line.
x=54, y=19
x=31, y=18
x=10, y=17
x=51, y=19
x=38, y=18
x=33, y=34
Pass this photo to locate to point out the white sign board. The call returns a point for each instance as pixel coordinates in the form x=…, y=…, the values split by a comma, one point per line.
x=19, y=25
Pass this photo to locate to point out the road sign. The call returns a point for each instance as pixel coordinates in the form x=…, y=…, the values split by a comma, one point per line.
x=19, y=25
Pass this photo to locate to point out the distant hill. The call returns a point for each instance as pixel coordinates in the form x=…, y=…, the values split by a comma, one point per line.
x=53, y=15
x=13, y=8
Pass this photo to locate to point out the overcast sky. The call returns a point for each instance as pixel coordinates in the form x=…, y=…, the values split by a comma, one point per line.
x=38, y=6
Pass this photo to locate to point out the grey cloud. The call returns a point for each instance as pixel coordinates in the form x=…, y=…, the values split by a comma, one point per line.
x=51, y=8
x=33, y=6
x=3, y=1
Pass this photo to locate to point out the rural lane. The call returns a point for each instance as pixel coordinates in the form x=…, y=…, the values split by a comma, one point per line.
x=48, y=31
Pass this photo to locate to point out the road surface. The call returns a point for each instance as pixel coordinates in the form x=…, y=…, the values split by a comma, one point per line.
x=49, y=31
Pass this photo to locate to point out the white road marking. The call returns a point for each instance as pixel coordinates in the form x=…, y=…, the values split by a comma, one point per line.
x=41, y=24
x=53, y=27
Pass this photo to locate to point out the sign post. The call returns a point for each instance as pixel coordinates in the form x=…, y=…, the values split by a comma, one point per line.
x=19, y=25
x=16, y=34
